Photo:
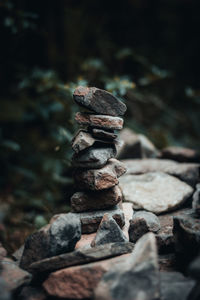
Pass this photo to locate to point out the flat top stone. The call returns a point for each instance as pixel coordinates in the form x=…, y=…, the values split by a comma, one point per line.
x=156, y=192
x=99, y=101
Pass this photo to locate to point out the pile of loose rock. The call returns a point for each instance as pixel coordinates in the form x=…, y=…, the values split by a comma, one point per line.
x=96, y=170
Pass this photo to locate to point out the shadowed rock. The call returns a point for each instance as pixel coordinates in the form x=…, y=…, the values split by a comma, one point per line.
x=196, y=200
x=180, y=154
x=104, y=134
x=99, y=101
x=89, y=201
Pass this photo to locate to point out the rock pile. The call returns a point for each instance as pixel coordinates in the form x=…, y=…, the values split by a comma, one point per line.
x=96, y=171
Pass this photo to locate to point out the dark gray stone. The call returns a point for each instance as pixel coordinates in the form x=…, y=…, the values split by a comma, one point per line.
x=90, y=220
x=196, y=200
x=96, y=200
x=5, y=293
x=93, y=158
x=64, y=233
x=104, y=134
x=174, y=286
x=108, y=232
x=181, y=154
x=81, y=256
x=194, y=268
x=99, y=101
x=136, y=278
x=141, y=223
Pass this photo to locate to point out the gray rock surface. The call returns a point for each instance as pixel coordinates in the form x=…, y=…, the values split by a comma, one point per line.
x=90, y=220
x=196, y=200
x=82, y=140
x=99, y=121
x=108, y=232
x=99, y=101
x=81, y=256
x=156, y=192
x=99, y=179
x=188, y=172
x=93, y=158
x=96, y=200
x=64, y=233
x=5, y=293
x=141, y=223
x=136, y=278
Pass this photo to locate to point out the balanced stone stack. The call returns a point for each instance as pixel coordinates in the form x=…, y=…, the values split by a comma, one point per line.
x=96, y=171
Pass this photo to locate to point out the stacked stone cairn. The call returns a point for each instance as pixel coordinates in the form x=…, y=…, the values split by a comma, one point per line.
x=96, y=170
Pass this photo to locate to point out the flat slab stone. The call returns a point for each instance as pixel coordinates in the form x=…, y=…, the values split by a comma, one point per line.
x=97, y=200
x=187, y=172
x=181, y=154
x=93, y=158
x=99, y=121
x=103, y=134
x=81, y=256
x=99, y=101
x=90, y=220
x=99, y=179
x=79, y=282
x=156, y=192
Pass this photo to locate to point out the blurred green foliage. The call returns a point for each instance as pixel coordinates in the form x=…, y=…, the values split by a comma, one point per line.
x=145, y=52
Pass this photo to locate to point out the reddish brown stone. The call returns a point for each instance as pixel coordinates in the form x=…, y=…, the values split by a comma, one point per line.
x=99, y=121
x=79, y=282
x=99, y=179
x=98, y=100
x=88, y=201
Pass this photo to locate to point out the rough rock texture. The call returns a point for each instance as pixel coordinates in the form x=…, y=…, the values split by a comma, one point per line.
x=99, y=101
x=180, y=154
x=90, y=220
x=103, y=134
x=141, y=223
x=99, y=179
x=108, y=232
x=99, y=121
x=79, y=282
x=186, y=232
x=135, y=145
x=137, y=278
x=98, y=200
x=82, y=140
x=64, y=233
x=93, y=158
x=156, y=192
x=13, y=276
x=174, y=286
x=187, y=172
x=81, y=256
x=196, y=200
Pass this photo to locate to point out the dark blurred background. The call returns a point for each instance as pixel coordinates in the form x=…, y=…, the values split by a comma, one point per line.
x=146, y=52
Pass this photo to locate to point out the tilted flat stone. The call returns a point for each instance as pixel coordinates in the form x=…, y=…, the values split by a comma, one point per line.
x=136, y=278
x=79, y=282
x=90, y=220
x=156, y=192
x=99, y=121
x=108, y=232
x=196, y=200
x=188, y=172
x=89, y=201
x=99, y=179
x=80, y=256
x=93, y=158
x=99, y=101
x=141, y=223
x=100, y=133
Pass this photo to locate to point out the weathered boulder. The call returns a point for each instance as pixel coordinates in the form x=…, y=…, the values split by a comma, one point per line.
x=96, y=200
x=99, y=101
x=136, y=278
x=99, y=121
x=79, y=282
x=188, y=172
x=80, y=256
x=99, y=179
x=108, y=232
x=156, y=192
x=90, y=220
x=196, y=200
x=93, y=158
x=141, y=223
x=180, y=154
